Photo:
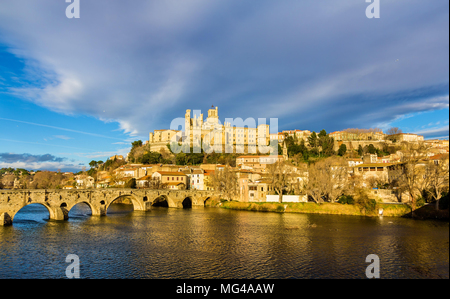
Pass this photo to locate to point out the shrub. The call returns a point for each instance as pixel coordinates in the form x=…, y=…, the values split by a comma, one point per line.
x=346, y=200
x=366, y=205
x=130, y=183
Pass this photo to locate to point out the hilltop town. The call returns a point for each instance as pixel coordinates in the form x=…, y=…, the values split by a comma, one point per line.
x=294, y=165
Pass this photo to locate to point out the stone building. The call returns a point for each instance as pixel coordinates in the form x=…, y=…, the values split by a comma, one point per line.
x=237, y=136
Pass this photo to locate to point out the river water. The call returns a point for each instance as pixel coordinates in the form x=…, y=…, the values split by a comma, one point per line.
x=219, y=243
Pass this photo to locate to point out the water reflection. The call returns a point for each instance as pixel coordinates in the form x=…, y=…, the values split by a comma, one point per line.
x=218, y=243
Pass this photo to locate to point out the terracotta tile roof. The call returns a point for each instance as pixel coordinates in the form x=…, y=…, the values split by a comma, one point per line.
x=170, y=173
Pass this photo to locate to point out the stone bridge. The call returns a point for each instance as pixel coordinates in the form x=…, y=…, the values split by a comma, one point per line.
x=59, y=202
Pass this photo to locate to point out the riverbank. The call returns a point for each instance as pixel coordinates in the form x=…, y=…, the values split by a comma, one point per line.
x=389, y=210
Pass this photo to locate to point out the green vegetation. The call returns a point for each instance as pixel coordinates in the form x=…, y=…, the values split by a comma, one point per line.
x=323, y=208
x=346, y=200
x=131, y=183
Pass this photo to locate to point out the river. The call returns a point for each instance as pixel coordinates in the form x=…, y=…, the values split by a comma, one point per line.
x=220, y=243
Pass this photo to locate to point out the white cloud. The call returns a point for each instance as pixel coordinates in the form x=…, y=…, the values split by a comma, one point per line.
x=62, y=137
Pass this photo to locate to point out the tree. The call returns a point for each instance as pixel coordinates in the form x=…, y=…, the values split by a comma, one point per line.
x=360, y=150
x=155, y=184
x=136, y=152
x=224, y=181
x=371, y=149
x=410, y=176
x=342, y=150
x=151, y=158
x=131, y=183
x=313, y=142
x=280, y=175
x=93, y=164
x=47, y=180
x=392, y=134
x=437, y=173
x=326, y=179
x=137, y=143
x=326, y=143
x=8, y=180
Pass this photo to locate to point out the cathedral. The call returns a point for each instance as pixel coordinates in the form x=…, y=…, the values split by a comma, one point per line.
x=235, y=135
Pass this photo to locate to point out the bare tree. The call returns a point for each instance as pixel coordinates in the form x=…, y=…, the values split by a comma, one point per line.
x=8, y=180
x=225, y=181
x=327, y=179
x=155, y=184
x=411, y=174
x=281, y=177
x=393, y=133
x=437, y=173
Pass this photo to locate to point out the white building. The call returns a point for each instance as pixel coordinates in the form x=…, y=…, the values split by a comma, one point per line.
x=196, y=180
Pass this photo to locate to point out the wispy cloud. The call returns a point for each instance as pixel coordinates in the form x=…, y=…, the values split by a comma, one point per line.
x=105, y=154
x=59, y=128
x=62, y=137
x=121, y=143
x=434, y=132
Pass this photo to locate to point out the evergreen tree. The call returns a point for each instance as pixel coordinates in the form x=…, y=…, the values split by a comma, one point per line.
x=360, y=150
x=342, y=150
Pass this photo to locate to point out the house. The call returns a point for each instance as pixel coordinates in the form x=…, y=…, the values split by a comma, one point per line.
x=206, y=179
x=354, y=162
x=167, y=177
x=84, y=181
x=385, y=159
x=176, y=186
x=297, y=134
x=439, y=159
x=257, y=162
x=373, y=170
x=196, y=179
x=143, y=182
x=370, y=158
x=408, y=137
x=116, y=157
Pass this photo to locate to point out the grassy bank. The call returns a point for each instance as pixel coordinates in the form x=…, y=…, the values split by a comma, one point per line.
x=313, y=208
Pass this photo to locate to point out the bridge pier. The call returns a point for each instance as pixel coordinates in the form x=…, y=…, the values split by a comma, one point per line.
x=59, y=213
x=99, y=211
x=5, y=219
x=145, y=206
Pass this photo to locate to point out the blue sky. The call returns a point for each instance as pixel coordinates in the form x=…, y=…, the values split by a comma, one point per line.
x=74, y=90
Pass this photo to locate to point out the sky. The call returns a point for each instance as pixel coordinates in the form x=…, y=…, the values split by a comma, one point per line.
x=74, y=90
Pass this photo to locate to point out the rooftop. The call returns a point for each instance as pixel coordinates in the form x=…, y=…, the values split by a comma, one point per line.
x=170, y=173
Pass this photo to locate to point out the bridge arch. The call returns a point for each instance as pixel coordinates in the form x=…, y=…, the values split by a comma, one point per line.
x=161, y=201
x=85, y=202
x=137, y=206
x=187, y=203
x=205, y=200
x=51, y=213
